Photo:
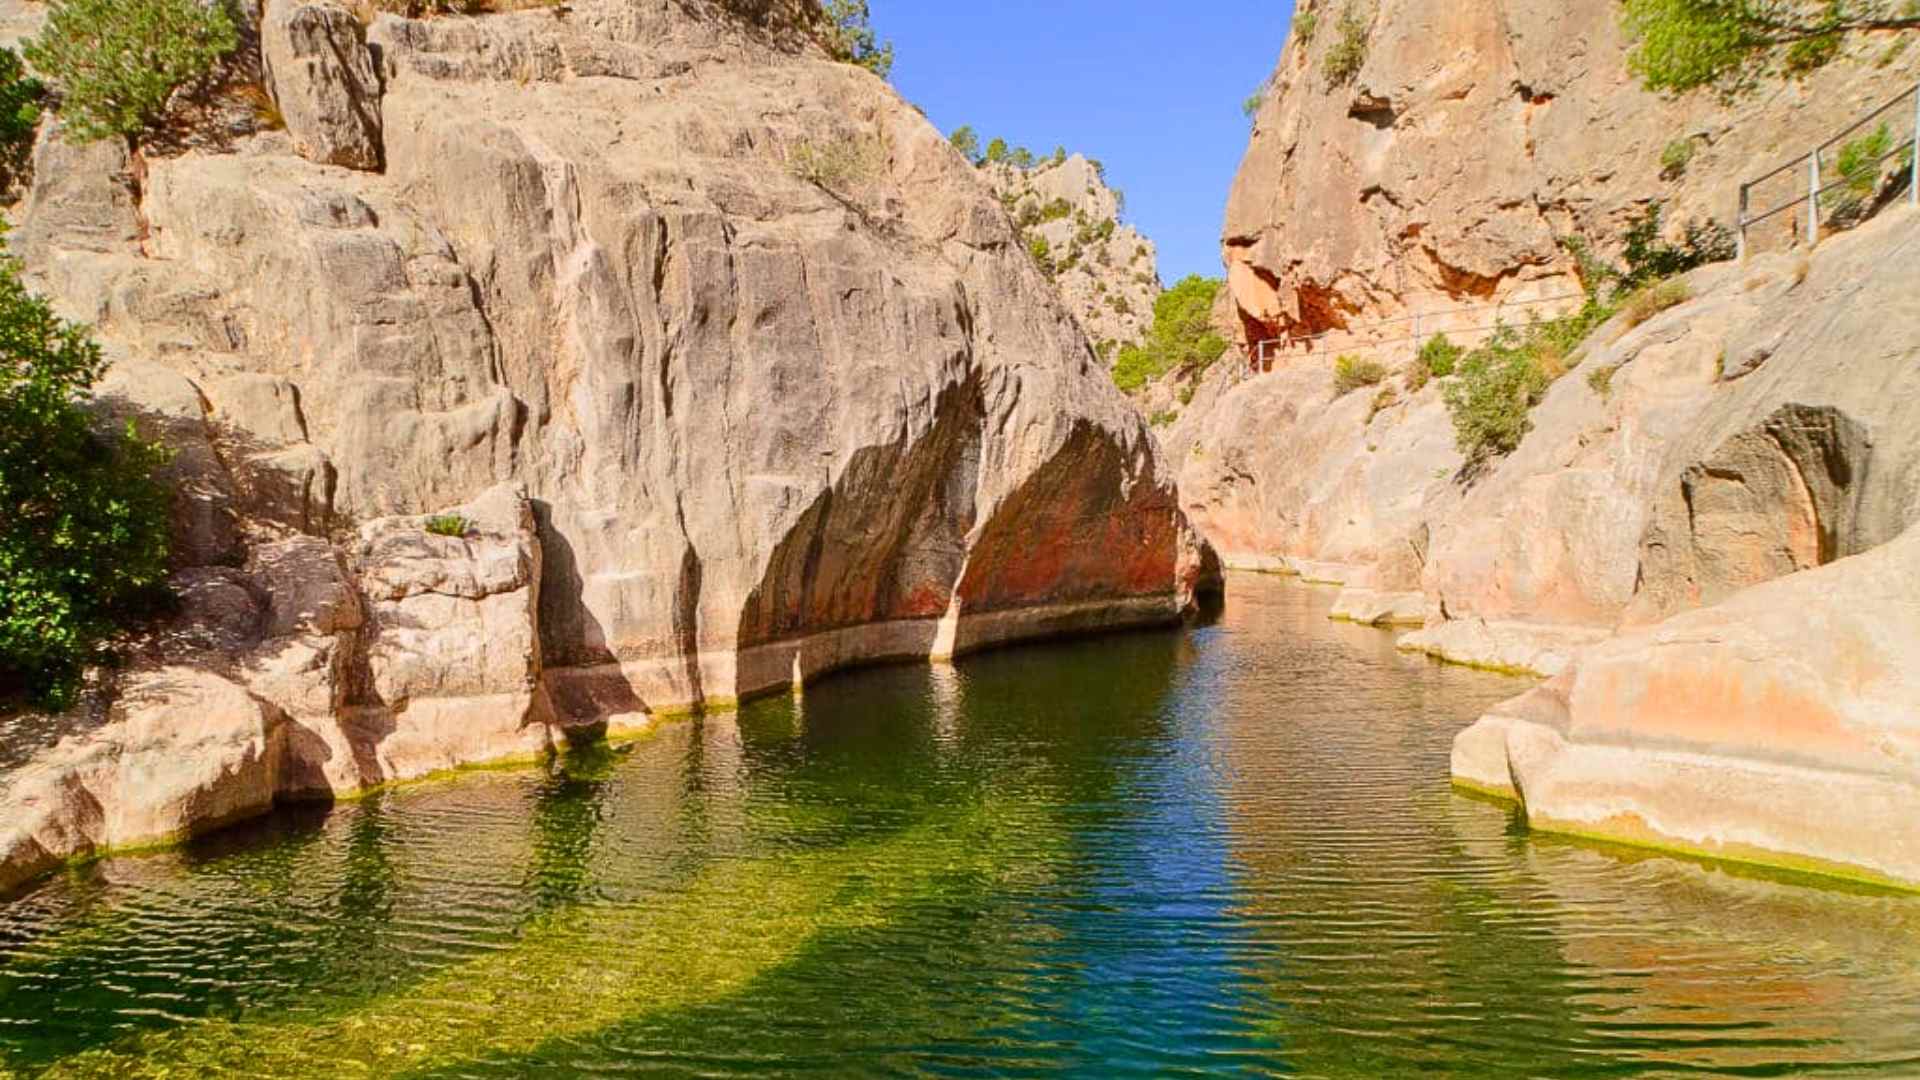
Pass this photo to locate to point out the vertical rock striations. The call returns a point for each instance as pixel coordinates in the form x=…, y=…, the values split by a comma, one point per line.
x=728, y=363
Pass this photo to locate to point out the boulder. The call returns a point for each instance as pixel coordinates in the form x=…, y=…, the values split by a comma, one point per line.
x=324, y=82
x=185, y=751
x=1779, y=726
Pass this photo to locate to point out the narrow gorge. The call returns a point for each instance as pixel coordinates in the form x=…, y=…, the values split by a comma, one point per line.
x=565, y=537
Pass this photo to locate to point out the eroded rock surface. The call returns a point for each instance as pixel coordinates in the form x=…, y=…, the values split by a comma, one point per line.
x=729, y=361
x=324, y=82
x=1782, y=725
x=1473, y=137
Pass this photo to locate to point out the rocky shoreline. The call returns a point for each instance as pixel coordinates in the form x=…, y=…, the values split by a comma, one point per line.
x=551, y=372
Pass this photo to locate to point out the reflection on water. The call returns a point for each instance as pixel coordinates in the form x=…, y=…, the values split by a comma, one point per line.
x=1233, y=849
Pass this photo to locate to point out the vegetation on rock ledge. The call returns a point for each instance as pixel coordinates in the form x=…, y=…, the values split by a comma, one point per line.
x=118, y=63
x=1686, y=44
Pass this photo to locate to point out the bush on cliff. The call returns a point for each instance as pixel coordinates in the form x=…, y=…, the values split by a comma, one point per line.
x=83, y=540
x=1182, y=335
x=1500, y=382
x=849, y=36
x=1352, y=372
x=20, y=96
x=1348, y=53
x=1683, y=44
x=118, y=63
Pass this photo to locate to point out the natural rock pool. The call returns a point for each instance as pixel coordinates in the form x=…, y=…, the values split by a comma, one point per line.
x=1232, y=849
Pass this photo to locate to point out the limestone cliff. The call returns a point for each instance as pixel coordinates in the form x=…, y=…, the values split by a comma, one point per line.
x=1471, y=139
x=723, y=366
x=1702, y=484
x=1107, y=272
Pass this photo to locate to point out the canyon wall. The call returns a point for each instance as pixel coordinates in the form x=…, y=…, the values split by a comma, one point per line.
x=1472, y=138
x=720, y=366
x=1703, y=482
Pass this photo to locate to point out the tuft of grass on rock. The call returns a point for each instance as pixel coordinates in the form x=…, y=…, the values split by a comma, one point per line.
x=449, y=525
x=1651, y=300
x=1352, y=372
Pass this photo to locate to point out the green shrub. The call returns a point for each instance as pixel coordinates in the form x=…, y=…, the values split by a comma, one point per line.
x=1163, y=418
x=1304, y=24
x=1500, y=382
x=849, y=37
x=1182, y=336
x=1675, y=158
x=1352, y=372
x=1439, y=356
x=1808, y=55
x=1651, y=258
x=1650, y=300
x=83, y=541
x=1859, y=167
x=967, y=141
x=119, y=62
x=1386, y=399
x=1042, y=253
x=1185, y=396
x=448, y=525
x=20, y=96
x=998, y=151
x=1348, y=53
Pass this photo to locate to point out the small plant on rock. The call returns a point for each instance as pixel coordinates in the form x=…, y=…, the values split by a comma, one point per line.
x=1439, y=356
x=1352, y=372
x=449, y=525
x=838, y=165
x=1348, y=53
x=1675, y=158
x=1600, y=379
x=1650, y=300
x=118, y=63
x=1859, y=165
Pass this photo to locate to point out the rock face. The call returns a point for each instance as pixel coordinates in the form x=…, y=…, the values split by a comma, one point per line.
x=1781, y=726
x=1107, y=272
x=729, y=362
x=186, y=751
x=323, y=81
x=1690, y=480
x=1285, y=473
x=1705, y=537
x=1472, y=138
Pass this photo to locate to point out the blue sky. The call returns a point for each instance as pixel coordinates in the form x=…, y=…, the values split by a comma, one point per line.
x=1153, y=89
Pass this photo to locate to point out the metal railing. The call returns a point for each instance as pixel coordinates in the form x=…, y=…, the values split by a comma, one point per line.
x=1421, y=327
x=1907, y=148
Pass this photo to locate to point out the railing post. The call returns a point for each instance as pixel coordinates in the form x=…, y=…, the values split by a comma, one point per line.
x=1813, y=198
x=1741, y=218
x=1913, y=182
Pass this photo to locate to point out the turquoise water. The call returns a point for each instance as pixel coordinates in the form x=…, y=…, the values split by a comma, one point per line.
x=1231, y=850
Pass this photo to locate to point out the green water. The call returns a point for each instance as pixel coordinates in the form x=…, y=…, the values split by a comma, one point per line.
x=1226, y=851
